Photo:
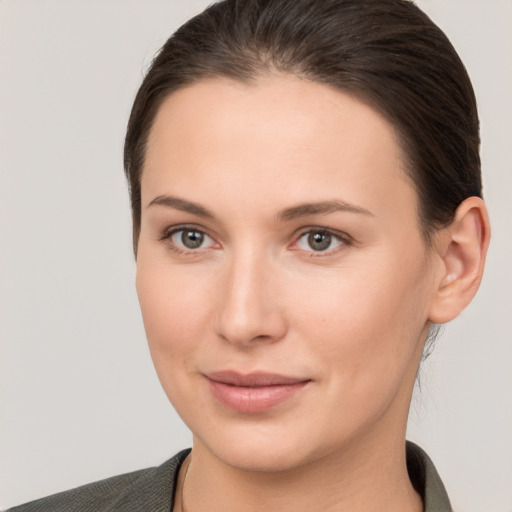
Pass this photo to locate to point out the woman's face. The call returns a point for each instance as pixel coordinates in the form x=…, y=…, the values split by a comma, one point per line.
x=281, y=272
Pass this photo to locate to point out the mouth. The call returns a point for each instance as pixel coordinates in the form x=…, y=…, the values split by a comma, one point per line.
x=255, y=392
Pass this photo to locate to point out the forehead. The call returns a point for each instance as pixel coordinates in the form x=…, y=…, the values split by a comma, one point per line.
x=296, y=135
x=266, y=106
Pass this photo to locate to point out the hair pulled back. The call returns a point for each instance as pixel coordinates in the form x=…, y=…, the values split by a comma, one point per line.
x=387, y=52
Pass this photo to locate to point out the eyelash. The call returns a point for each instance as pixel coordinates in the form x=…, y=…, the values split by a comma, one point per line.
x=343, y=239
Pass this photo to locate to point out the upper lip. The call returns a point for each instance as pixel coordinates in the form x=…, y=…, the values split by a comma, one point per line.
x=253, y=379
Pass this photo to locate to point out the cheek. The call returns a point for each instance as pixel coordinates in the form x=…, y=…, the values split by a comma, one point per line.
x=175, y=311
x=365, y=336
x=365, y=322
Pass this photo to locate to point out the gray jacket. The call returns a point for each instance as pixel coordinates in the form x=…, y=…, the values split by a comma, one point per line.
x=152, y=490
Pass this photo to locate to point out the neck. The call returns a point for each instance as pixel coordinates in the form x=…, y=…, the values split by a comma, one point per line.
x=354, y=479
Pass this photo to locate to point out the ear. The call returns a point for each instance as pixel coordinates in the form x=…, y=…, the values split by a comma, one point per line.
x=461, y=250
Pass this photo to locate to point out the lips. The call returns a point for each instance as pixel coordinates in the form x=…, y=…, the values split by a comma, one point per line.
x=255, y=392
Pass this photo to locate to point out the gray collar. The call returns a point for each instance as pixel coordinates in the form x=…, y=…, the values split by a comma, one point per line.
x=426, y=480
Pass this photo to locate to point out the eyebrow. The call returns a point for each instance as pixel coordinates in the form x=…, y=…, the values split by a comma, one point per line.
x=183, y=205
x=322, y=207
x=292, y=213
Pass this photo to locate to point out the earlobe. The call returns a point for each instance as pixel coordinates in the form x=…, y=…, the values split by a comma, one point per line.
x=462, y=249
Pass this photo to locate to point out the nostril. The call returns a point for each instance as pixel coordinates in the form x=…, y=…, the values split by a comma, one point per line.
x=251, y=335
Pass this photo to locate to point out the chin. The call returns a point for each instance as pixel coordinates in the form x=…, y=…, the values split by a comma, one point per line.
x=266, y=444
x=260, y=455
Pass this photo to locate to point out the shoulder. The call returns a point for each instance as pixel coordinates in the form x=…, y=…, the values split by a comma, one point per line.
x=146, y=489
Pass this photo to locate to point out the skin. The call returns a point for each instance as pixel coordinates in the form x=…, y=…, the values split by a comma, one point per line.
x=255, y=296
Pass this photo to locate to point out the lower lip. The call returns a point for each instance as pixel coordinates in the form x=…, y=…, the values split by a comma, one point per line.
x=254, y=399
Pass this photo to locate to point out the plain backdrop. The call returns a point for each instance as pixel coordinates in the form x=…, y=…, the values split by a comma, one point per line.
x=79, y=398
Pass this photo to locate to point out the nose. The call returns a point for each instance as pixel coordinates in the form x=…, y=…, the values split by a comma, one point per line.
x=250, y=311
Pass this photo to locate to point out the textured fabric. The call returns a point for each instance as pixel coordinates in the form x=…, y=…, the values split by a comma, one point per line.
x=147, y=490
x=426, y=480
x=152, y=490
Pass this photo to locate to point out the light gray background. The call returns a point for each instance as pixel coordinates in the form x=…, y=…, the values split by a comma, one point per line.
x=79, y=398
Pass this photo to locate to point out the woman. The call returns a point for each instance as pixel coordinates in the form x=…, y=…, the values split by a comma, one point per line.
x=306, y=201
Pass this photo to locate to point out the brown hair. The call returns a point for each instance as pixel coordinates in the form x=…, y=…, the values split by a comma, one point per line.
x=387, y=52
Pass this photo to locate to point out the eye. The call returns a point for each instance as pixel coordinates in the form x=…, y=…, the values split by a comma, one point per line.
x=320, y=240
x=187, y=239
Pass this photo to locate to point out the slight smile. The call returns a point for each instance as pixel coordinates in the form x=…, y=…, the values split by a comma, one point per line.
x=255, y=392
